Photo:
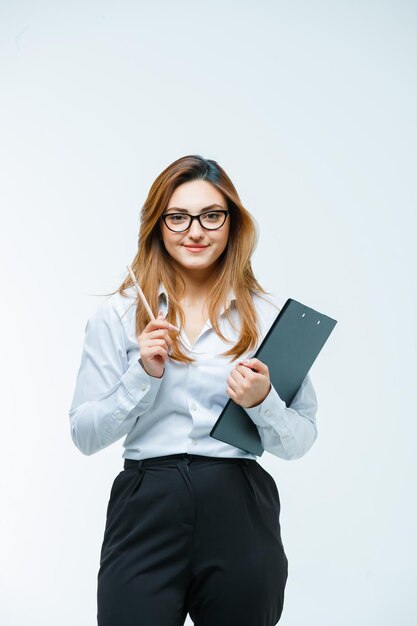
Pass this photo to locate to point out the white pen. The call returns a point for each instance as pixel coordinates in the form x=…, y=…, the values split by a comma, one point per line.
x=144, y=300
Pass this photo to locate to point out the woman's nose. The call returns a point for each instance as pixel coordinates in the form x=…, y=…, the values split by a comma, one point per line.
x=196, y=228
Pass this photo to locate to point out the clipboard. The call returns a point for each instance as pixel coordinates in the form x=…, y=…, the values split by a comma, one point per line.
x=289, y=349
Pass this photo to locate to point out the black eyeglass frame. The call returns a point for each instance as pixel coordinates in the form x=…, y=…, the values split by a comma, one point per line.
x=196, y=217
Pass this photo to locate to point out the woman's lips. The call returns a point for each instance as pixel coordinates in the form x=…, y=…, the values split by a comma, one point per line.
x=195, y=248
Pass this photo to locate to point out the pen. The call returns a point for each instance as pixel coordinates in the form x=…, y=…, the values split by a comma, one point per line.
x=144, y=300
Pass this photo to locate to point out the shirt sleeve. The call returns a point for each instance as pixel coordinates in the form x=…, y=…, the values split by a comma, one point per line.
x=109, y=394
x=287, y=432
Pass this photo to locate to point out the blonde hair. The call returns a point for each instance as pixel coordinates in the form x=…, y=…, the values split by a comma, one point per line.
x=152, y=263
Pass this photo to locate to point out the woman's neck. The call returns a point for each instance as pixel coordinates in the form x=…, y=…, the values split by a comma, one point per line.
x=196, y=287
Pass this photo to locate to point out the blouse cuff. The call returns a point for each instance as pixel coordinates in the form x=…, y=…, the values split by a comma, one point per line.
x=136, y=381
x=271, y=413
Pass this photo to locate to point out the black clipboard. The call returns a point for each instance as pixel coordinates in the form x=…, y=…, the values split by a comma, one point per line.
x=289, y=349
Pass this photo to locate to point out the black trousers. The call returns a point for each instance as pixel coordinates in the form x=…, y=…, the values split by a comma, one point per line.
x=192, y=534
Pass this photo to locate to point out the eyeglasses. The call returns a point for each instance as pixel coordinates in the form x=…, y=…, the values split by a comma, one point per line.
x=179, y=222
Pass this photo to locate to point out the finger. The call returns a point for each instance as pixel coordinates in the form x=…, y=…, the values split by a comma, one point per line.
x=157, y=342
x=157, y=351
x=237, y=375
x=237, y=382
x=162, y=334
x=171, y=327
x=231, y=393
x=245, y=371
x=256, y=365
x=163, y=343
x=160, y=323
x=232, y=383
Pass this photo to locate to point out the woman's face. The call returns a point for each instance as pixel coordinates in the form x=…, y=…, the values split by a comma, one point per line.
x=195, y=197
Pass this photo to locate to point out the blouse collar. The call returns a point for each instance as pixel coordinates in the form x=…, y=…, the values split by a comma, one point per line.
x=163, y=297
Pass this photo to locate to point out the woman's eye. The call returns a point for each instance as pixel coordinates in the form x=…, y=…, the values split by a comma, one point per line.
x=173, y=218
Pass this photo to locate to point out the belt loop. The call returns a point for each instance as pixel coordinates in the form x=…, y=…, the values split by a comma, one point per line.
x=140, y=463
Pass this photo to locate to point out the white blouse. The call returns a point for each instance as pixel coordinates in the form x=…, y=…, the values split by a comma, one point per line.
x=114, y=397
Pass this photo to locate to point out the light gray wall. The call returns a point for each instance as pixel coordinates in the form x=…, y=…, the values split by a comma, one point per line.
x=310, y=108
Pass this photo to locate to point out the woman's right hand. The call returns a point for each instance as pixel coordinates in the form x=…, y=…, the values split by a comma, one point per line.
x=155, y=345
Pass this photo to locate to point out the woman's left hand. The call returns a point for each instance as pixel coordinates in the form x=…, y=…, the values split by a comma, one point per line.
x=249, y=383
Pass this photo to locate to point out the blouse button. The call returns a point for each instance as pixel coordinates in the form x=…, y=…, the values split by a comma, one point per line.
x=143, y=387
x=267, y=412
x=193, y=407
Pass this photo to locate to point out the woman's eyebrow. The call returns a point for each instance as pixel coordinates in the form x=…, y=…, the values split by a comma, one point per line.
x=186, y=210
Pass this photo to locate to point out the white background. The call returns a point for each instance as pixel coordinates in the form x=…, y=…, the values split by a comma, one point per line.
x=310, y=108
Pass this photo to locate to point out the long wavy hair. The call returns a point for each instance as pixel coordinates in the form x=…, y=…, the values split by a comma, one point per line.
x=152, y=264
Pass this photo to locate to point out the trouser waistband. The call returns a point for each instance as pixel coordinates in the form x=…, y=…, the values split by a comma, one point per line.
x=194, y=458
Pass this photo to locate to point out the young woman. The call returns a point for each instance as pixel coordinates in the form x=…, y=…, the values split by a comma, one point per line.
x=192, y=523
